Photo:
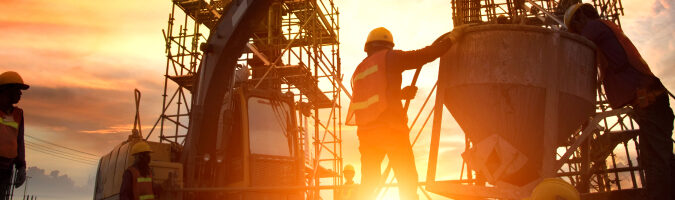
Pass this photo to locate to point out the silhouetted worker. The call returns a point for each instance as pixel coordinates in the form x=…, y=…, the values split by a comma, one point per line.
x=377, y=111
x=12, y=149
x=137, y=179
x=348, y=193
x=628, y=81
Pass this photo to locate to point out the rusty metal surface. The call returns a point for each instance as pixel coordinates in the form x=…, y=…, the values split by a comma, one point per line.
x=496, y=78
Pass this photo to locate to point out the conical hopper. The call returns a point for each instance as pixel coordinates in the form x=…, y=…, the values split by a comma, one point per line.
x=508, y=81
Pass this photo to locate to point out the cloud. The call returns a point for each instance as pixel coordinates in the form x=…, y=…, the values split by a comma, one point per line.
x=651, y=29
x=90, y=119
x=53, y=185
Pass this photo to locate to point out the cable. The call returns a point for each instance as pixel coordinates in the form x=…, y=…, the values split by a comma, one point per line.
x=80, y=162
x=41, y=140
x=60, y=151
x=33, y=148
x=59, y=156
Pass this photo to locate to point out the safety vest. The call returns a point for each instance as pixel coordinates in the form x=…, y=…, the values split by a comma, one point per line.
x=9, y=132
x=142, y=185
x=348, y=193
x=369, y=87
x=634, y=57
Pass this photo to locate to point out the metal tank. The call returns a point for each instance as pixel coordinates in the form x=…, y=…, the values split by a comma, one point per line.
x=517, y=92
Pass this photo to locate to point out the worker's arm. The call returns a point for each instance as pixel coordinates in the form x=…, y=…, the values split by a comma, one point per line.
x=126, y=191
x=406, y=60
x=20, y=160
x=612, y=51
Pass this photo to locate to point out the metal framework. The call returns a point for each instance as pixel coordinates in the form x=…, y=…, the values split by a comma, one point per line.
x=609, y=9
x=301, y=41
x=602, y=157
x=607, y=160
x=501, y=11
x=525, y=11
x=295, y=50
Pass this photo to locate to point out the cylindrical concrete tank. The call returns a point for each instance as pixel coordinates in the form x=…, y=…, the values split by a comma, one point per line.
x=502, y=83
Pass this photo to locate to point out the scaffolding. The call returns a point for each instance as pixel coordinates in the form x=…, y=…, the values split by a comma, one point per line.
x=594, y=167
x=301, y=41
x=501, y=12
x=295, y=50
x=530, y=12
x=606, y=160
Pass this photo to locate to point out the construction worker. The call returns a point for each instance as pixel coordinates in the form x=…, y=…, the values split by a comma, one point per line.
x=628, y=81
x=137, y=179
x=377, y=111
x=348, y=192
x=12, y=149
x=554, y=188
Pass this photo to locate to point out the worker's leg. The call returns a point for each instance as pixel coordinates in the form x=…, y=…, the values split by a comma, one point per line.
x=5, y=183
x=656, y=146
x=403, y=162
x=371, y=161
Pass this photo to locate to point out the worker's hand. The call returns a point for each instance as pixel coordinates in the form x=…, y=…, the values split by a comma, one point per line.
x=408, y=92
x=457, y=33
x=20, y=177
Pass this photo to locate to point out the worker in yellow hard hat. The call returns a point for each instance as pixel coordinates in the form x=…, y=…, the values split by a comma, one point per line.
x=554, y=189
x=349, y=174
x=12, y=149
x=137, y=180
x=348, y=192
x=377, y=110
x=628, y=81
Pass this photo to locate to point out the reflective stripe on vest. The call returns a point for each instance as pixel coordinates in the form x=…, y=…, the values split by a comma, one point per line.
x=142, y=187
x=144, y=179
x=365, y=104
x=369, y=87
x=12, y=124
x=9, y=132
x=365, y=73
x=145, y=197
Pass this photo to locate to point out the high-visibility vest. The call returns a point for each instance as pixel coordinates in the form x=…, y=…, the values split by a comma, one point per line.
x=142, y=185
x=9, y=131
x=634, y=57
x=369, y=87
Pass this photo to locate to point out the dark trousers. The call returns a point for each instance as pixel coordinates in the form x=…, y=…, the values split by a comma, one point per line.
x=5, y=183
x=656, y=147
x=374, y=145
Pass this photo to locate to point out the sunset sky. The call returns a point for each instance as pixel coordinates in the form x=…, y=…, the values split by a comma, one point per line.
x=84, y=58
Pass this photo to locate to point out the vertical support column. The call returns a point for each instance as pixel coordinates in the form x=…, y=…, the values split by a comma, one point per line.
x=585, y=167
x=317, y=155
x=435, y=136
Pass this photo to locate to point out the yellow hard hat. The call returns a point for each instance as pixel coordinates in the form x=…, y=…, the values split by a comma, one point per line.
x=140, y=147
x=10, y=77
x=380, y=34
x=554, y=188
x=570, y=13
x=349, y=168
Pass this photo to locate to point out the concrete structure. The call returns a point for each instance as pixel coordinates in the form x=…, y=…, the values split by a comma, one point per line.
x=518, y=92
x=537, y=82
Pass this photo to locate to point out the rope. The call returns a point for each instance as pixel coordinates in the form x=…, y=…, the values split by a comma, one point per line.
x=137, y=119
